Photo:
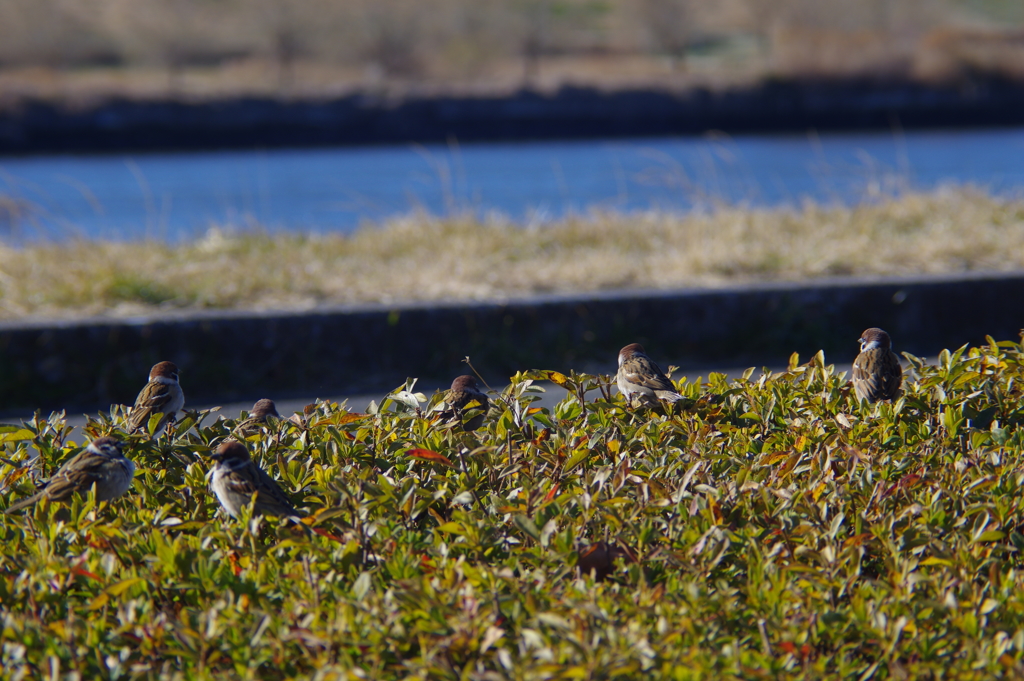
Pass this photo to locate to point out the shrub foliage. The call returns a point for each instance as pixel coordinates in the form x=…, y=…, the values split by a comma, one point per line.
x=772, y=526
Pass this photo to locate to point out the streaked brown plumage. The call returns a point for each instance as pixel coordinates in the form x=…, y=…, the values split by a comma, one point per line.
x=639, y=378
x=101, y=464
x=877, y=374
x=162, y=395
x=236, y=478
x=258, y=418
x=465, y=394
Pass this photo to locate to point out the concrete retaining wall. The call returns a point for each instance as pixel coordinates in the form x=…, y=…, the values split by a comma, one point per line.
x=572, y=112
x=90, y=364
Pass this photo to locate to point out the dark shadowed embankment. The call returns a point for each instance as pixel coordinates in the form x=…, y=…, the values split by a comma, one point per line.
x=782, y=106
x=231, y=356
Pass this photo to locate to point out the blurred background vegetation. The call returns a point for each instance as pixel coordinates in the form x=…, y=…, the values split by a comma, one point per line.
x=72, y=49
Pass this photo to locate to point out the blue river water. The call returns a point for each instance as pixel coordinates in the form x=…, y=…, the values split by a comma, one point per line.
x=177, y=196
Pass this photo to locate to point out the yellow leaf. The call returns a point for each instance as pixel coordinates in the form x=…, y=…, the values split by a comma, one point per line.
x=614, y=446
x=122, y=586
x=99, y=601
x=578, y=457
x=17, y=436
x=772, y=459
x=818, y=491
x=556, y=377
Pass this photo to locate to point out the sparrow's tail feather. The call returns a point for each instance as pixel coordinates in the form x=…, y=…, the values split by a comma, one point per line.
x=27, y=501
x=669, y=396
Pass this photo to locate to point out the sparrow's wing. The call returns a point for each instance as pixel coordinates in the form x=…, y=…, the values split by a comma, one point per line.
x=457, y=401
x=877, y=375
x=270, y=498
x=864, y=377
x=78, y=475
x=153, y=399
x=465, y=399
x=256, y=424
x=646, y=374
x=241, y=481
x=892, y=376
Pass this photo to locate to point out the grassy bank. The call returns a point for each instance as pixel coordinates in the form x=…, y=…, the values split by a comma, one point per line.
x=426, y=258
x=781, y=531
x=79, y=52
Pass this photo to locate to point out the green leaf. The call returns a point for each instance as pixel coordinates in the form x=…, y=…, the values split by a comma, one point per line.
x=527, y=526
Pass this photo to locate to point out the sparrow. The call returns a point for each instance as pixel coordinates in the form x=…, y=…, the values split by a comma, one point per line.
x=877, y=374
x=258, y=418
x=598, y=559
x=465, y=394
x=236, y=478
x=101, y=464
x=639, y=377
x=162, y=395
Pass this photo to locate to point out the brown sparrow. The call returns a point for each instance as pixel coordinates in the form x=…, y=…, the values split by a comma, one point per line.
x=101, y=464
x=598, y=559
x=465, y=394
x=877, y=374
x=162, y=395
x=258, y=417
x=236, y=478
x=640, y=378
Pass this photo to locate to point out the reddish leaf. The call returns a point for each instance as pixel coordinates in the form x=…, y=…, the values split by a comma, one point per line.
x=324, y=533
x=341, y=419
x=551, y=493
x=428, y=455
x=82, y=572
x=236, y=568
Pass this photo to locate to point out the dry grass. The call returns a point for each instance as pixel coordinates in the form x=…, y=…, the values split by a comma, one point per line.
x=426, y=258
x=77, y=52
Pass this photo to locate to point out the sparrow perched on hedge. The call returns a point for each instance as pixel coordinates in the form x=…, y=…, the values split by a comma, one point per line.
x=465, y=394
x=640, y=378
x=877, y=374
x=236, y=478
x=258, y=417
x=162, y=395
x=101, y=464
x=598, y=559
